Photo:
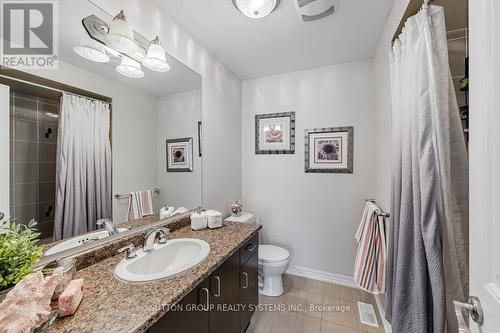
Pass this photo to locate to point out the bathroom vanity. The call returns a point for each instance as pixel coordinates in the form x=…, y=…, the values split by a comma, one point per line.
x=228, y=275
x=223, y=302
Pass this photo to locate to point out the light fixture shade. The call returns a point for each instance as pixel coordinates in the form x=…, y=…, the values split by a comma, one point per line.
x=120, y=35
x=130, y=68
x=156, y=58
x=256, y=8
x=92, y=50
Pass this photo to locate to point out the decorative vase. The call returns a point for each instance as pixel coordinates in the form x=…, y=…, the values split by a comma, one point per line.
x=236, y=207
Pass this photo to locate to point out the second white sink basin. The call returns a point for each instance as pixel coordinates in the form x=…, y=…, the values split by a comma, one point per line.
x=164, y=260
x=79, y=241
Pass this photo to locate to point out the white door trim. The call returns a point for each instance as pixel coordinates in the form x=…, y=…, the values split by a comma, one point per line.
x=485, y=159
x=4, y=149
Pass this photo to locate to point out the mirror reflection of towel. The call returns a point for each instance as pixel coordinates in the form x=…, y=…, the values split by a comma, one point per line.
x=141, y=204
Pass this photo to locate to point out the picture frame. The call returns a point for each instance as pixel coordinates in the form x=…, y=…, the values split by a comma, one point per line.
x=275, y=133
x=179, y=155
x=329, y=150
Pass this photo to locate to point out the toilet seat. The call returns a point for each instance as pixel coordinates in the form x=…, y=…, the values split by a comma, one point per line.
x=272, y=254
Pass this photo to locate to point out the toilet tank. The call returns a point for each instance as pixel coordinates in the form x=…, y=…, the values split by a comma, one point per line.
x=244, y=217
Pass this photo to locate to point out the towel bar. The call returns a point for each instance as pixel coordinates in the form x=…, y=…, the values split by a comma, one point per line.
x=386, y=215
x=126, y=196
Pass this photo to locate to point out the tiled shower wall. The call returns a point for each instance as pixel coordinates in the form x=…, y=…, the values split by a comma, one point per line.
x=33, y=146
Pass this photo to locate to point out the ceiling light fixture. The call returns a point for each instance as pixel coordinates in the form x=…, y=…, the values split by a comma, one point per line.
x=91, y=50
x=130, y=68
x=256, y=8
x=121, y=36
x=156, y=58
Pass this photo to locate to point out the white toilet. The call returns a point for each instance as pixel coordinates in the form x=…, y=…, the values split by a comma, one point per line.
x=273, y=262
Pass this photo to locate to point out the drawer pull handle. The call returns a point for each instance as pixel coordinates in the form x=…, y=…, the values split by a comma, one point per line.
x=251, y=247
x=208, y=298
x=217, y=294
x=246, y=280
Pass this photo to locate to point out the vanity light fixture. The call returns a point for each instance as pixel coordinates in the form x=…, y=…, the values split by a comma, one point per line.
x=120, y=36
x=256, y=8
x=130, y=68
x=91, y=50
x=156, y=58
x=117, y=40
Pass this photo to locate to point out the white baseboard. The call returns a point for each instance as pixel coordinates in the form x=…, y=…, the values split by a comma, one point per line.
x=344, y=280
x=315, y=274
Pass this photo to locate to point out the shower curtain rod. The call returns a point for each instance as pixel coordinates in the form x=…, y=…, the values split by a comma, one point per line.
x=53, y=89
x=414, y=6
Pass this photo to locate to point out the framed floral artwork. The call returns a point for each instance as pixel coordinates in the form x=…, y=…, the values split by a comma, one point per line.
x=329, y=150
x=275, y=133
x=179, y=155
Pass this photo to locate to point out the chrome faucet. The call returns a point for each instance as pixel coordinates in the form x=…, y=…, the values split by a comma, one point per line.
x=131, y=253
x=150, y=237
x=109, y=225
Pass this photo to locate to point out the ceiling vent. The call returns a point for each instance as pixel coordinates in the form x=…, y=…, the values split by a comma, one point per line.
x=310, y=10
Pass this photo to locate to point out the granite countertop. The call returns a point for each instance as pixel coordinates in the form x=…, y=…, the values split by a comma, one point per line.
x=110, y=305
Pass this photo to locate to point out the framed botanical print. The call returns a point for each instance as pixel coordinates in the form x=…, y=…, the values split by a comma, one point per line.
x=275, y=133
x=329, y=150
x=179, y=155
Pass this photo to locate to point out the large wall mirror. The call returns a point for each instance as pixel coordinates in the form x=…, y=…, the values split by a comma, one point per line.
x=102, y=143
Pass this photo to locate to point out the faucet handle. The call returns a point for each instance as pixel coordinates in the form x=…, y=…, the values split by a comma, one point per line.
x=101, y=222
x=164, y=232
x=131, y=253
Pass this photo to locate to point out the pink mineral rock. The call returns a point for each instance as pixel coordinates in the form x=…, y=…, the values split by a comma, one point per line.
x=27, y=306
x=71, y=298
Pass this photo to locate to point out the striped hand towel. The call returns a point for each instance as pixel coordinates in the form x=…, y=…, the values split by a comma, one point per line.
x=369, y=269
x=141, y=204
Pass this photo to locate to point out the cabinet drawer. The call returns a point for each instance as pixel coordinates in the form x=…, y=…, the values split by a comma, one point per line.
x=250, y=248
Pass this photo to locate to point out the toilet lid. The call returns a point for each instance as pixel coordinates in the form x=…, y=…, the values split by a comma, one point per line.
x=271, y=253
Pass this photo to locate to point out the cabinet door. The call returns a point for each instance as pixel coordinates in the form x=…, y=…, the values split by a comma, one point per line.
x=249, y=293
x=192, y=315
x=224, y=297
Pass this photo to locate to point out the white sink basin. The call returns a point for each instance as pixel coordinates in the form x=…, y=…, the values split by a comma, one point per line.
x=163, y=261
x=79, y=241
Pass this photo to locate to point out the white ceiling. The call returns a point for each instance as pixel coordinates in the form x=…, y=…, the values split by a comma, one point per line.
x=180, y=77
x=280, y=42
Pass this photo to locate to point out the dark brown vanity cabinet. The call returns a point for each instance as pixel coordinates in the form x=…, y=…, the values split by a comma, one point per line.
x=249, y=281
x=225, y=296
x=223, y=303
x=191, y=314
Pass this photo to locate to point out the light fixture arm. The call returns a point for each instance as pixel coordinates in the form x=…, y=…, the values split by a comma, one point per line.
x=120, y=16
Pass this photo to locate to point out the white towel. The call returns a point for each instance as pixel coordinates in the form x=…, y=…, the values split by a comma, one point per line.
x=369, y=269
x=141, y=204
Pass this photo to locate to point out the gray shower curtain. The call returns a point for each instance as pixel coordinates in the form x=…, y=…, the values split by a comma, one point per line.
x=427, y=257
x=83, y=181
